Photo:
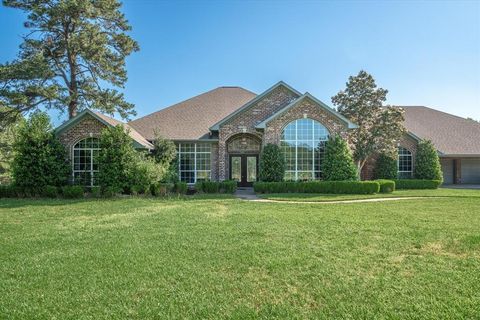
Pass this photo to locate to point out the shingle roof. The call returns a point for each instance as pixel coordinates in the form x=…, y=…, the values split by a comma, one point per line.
x=192, y=118
x=451, y=135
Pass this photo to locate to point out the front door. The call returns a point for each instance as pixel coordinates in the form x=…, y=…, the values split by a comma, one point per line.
x=243, y=169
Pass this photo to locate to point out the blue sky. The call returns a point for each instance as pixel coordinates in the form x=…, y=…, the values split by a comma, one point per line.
x=424, y=53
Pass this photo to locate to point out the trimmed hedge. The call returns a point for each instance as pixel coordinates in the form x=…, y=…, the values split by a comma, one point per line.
x=227, y=186
x=333, y=187
x=50, y=192
x=73, y=192
x=386, y=186
x=417, y=184
x=162, y=189
x=181, y=187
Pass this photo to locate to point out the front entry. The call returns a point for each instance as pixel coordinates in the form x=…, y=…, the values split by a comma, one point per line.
x=243, y=169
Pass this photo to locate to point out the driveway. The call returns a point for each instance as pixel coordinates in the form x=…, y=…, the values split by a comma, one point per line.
x=461, y=186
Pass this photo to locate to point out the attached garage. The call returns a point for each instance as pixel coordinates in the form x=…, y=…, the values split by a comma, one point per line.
x=470, y=169
x=447, y=169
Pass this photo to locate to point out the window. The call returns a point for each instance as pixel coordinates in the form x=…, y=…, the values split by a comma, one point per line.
x=303, y=145
x=404, y=163
x=243, y=144
x=194, y=161
x=85, y=164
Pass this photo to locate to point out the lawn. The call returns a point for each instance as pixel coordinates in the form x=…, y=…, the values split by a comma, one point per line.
x=226, y=258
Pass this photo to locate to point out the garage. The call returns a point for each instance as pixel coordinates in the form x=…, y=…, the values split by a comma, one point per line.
x=470, y=171
x=447, y=169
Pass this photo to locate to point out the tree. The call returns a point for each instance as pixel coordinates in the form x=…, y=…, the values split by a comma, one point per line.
x=7, y=138
x=39, y=158
x=427, y=162
x=386, y=167
x=378, y=126
x=338, y=164
x=272, y=164
x=164, y=150
x=73, y=56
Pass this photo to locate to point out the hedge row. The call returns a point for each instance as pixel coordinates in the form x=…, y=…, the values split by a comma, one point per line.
x=334, y=187
x=417, y=184
x=75, y=191
x=227, y=186
x=386, y=186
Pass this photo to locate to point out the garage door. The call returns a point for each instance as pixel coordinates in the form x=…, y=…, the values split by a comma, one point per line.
x=447, y=169
x=470, y=170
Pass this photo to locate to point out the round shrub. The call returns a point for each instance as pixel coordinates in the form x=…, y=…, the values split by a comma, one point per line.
x=272, y=164
x=427, y=162
x=386, y=186
x=72, y=192
x=386, y=167
x=338, y=163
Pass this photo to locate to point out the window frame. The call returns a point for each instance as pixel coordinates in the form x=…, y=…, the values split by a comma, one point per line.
x=403, y=156
x=90, y=150
x=195, y=153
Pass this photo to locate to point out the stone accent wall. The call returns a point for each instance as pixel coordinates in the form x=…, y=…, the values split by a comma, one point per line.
x=87, y=127
x=246, y=121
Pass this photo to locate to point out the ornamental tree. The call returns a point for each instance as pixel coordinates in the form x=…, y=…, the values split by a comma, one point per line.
x=73, y=57
x=379, y=126
x=427, y=162
x=386, y=167
x=337, y=164
x=272, y=164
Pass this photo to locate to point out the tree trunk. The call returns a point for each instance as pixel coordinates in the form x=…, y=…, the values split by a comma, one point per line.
x=72, y=109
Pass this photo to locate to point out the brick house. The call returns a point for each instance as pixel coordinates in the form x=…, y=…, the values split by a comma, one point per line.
x=220, y=133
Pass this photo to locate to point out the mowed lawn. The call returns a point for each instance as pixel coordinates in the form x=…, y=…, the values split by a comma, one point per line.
x=228, y=258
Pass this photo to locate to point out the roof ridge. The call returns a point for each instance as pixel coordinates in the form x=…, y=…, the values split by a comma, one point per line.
x=436, y=110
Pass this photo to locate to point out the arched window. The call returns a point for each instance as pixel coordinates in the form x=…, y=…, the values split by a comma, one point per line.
x=405, y=164
x=243, y=144
x=85, y=165
x=303, y=145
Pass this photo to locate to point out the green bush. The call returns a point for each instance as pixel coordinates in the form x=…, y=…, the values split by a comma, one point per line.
x=338, y=164
x=39, y=158
x=272, y=164
x=50, y=192
x=333, y=187
x=164, y=151
x=72, y=192
x=427, y=162
x=7, y=191
x=110, y=191
x=95, y=192
x=162, y=189
x=228, y=186
x=386, y=186
x=386, y=167
x=143, y=174
x=417, y=184
x=181, y=187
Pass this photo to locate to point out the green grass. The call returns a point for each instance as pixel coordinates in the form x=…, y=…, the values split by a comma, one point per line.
x=455, y=193
x=205, y=258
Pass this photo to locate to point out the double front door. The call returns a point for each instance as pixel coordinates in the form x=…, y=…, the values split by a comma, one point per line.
x=243, y=169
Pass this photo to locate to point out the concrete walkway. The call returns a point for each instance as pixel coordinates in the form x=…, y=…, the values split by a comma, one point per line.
x=246, y=194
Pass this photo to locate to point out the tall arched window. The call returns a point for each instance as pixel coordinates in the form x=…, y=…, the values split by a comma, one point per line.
x=303, y=145
x=405, y=163
x=85, y=165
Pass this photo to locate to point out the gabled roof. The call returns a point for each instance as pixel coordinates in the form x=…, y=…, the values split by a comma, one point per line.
x=140, y=141
x=217, y=125
x=350, y=125
x=451, y=135
x=191, y=119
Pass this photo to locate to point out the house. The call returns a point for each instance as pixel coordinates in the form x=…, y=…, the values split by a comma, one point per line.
x=220, y=134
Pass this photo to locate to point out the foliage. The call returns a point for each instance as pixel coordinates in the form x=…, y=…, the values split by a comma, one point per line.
x=40, y=159
x=427, y=162
x=7, y=138
x=386, y=186
x=401, y=184
x=73, y=192
x=272, y=164
x=338, y=163
x=162, y=189
x=379, y=126
x=95, y=192
x=386, y=167
x=164, y=150
x=227, y=186
x=145, y=172
x=117, y=161
x=73, y=56
x=50, y=191
x=180, y=187
x=334, y=187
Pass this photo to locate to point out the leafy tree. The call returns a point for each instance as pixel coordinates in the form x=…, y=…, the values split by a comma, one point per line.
x=39, y=158
x=272, y=164
x=378, y=126
x=74, y=56
x=7, y=137
x=338, y=164
x=427, y=162
x=164, y=150
x=116, y=160
x=386, y=167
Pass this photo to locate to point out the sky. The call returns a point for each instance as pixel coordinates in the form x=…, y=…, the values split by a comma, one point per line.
x=423, y=52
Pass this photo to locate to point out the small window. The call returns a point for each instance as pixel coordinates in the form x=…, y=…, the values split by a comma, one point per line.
x=85, y=164
x=405, y=163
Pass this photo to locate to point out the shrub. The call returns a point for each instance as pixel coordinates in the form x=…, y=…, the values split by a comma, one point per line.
x=228, y=186
x=427, y=162
x=164, y=151
x=72, y=192
x=7, y=191
x=50, y=192
x=145, y=173
x=180, y=187
x=333, y=187
x=162, y=189
x=39, y=157
x=95, y=192
x=386, y=167
x=417, y=184
x=110, y=191
x=272, y=164
x=386, y=186
x=338, y=163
